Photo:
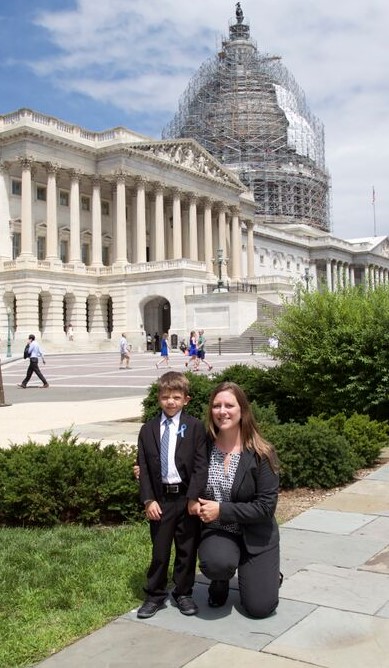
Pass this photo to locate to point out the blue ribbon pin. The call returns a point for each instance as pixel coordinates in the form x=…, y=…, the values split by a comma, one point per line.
x=181, y=431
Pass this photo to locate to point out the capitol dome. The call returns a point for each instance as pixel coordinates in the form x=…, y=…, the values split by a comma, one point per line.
x=247, y=110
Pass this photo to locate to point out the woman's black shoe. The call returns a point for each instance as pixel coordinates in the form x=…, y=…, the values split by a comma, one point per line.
x=218, y=593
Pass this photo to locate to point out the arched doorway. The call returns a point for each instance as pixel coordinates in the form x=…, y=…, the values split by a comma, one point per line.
x=157, y=316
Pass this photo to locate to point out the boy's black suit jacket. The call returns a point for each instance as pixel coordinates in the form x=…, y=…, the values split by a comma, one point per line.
x=190, y=458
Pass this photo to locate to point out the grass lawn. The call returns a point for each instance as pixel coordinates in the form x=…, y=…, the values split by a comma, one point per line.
x=60, y=584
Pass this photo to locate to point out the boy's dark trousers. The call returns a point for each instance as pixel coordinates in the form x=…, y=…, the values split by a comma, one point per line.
x=178, y=527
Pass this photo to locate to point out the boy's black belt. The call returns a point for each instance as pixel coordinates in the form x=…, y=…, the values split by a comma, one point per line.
x=177, y=488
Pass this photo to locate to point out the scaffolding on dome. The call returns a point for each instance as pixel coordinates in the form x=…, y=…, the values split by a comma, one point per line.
x=248, y=111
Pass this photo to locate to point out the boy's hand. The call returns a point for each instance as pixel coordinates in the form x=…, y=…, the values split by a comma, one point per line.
x=209, y=510
x=153, y=510
x=193, y=507
x=136, y=471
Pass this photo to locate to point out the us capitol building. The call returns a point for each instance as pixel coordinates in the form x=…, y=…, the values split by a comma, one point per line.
x=117, y=232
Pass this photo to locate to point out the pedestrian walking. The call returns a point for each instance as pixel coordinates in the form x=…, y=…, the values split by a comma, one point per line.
x=164, y=351
x=70, y=332
x=33, y=353
x=192, y=352
x=125, y=349
x=156, y=342
x=201, y=352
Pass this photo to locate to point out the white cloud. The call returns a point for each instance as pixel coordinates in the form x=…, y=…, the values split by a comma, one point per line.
x=139, y=56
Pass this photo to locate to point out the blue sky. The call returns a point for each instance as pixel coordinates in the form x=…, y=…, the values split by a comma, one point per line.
x=126, y=62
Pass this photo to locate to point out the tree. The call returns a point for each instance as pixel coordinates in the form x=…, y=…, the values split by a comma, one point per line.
x=334, y=348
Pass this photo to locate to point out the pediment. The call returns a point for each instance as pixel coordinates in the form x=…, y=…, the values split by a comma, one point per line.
x=189, y=155
x=382, y=248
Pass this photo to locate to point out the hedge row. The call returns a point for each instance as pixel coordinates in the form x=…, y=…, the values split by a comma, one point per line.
x=68, y=481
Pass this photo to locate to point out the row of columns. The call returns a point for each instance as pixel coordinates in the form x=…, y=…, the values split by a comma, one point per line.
x=342, y=274
x=24, y=303
x=138, y=227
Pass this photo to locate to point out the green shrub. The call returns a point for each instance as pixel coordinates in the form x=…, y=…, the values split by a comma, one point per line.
x=264, y=414
x=311, y=455
x=200, y=387
x=244, y=376
x=67, y=481
x=367, y=437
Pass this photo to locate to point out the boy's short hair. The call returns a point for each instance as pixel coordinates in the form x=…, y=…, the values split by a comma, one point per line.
x=173, y=381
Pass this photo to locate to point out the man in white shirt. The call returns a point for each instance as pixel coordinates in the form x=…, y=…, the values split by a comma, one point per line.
x=34, y=353
x=124, y=348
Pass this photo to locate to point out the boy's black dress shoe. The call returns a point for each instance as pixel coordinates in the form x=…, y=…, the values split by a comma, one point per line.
x=149, y=608
x=186, y=605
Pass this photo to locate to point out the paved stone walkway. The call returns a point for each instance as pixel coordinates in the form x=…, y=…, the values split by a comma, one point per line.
x=333, y=612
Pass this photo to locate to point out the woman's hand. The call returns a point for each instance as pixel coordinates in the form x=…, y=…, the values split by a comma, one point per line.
x=209, y=510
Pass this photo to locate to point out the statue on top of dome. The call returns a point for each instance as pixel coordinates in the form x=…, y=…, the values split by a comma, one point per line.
x=239, y=13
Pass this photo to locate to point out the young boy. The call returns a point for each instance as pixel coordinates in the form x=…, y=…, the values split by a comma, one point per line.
x=173, y=473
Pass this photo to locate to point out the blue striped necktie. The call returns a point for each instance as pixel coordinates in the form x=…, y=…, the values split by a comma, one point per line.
x=165, y=449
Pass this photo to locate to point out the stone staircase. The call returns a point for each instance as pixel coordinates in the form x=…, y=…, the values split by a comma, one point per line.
x=254, y=338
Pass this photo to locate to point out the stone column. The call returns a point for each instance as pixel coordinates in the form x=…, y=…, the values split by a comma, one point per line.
x=236, y=246
x=375, y=276
x=141, y=220
x=208, y=247
x=193, y=234
x=79, y=314
x=329, y=275
x=97, y=329
x=5, y=237
x=121, y=225
x=352, y=275
x=335, y=276
x=366, y=275
x=75, y=239
x=222, y=239
x=51, y=208
x=27, y=232
x=54, y=328
x=97, y=254
x=250, y=249
x=160, y=246
x=177, y=229
x=27, y=310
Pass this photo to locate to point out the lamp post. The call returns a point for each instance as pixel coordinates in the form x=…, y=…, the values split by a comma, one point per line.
x=9, y=352
x=307, y=277
x=220, y=260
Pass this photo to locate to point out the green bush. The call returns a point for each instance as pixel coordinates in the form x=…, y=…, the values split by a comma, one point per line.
x=264, y=414
x=244, y=376
x=338, y=342
x=200, y=387
x=311, y=455
x=367, y=437
x=67, y=481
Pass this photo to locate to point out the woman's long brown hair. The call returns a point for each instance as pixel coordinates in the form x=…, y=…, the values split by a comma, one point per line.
x=251, y=437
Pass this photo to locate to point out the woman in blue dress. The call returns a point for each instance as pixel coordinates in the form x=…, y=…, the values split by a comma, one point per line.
x=192, y=352
x=164, y=351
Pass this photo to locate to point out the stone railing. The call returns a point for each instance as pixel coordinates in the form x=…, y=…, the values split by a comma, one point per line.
x=79, y=268
x=31, y=118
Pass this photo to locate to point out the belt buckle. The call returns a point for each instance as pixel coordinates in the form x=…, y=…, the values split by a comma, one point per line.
x=173, y=489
